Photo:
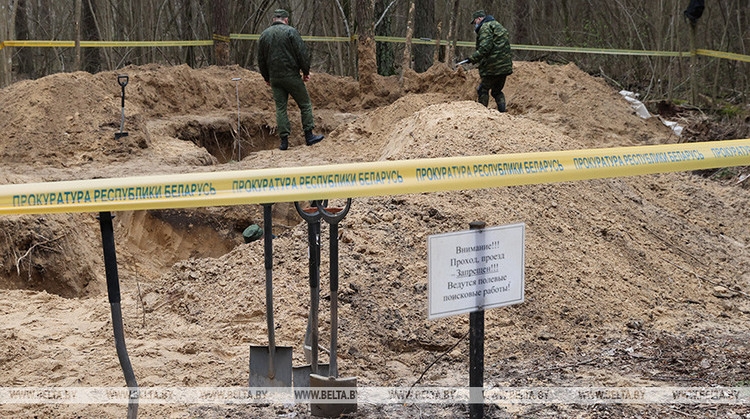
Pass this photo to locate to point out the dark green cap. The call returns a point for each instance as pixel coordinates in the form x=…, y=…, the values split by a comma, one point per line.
x=478, y=13
x=280, y=13
x=252, y=233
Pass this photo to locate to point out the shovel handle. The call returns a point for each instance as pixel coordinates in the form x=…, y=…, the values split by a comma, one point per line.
x=333, y=215
x=113, y=291
x=122, y=80
x=310, y=214
x=268, y=256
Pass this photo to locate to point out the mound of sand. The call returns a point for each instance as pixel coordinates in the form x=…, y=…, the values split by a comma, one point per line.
x=629, y=281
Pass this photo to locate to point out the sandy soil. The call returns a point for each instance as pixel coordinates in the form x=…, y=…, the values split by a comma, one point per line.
x=640, y=281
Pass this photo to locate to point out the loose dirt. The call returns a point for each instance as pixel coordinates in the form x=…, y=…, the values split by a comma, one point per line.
x=636, y=281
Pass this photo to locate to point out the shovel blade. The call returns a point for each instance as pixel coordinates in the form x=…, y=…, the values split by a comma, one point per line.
x=260, y=358
x=344, y=388
x=302, y=374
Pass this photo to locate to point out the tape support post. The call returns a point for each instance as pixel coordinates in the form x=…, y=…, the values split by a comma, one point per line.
x=352, y=180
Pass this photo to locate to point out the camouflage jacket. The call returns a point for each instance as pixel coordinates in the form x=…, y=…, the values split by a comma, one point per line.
x=282, y=53
x=493, y=49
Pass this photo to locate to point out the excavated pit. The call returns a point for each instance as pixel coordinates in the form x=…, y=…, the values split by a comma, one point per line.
x=62, y=253
x=219, y=137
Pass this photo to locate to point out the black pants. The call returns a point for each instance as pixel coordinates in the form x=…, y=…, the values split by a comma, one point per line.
x=493, y=84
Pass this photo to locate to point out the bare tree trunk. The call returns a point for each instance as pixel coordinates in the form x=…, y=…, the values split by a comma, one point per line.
x=339, y=47
x=77, y=23
x=384, y=51
x=367, y=66
x=407, y=49
x=520, y=14
x=7, y=14
x=436, y=53
x=136, y=18
x=351, y=68
x=452, y=35
x=186, y=29
x=92, y=57
x=424, y=27
x=24, y=58
x=221, y=32
x=693, y=67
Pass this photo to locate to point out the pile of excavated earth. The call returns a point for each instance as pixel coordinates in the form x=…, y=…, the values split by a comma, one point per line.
x=629, y=282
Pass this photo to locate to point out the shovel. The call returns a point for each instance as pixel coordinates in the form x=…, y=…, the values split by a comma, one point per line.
x=332, y=217
x=122, y=80
x=270, y=366
x=302, y=373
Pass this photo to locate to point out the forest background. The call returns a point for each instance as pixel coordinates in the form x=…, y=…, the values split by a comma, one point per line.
x=658, y=25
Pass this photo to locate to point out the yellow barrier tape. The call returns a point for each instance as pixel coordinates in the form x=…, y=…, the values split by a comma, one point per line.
x=365, y=179
x=601, y=51
x=328, y=38
x=244, y=36
x=422, y=41
x=724, y=55
x=221, y=38
x=108, y=44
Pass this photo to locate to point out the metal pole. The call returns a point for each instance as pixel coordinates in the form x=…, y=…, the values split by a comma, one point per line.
x=236, y=81
x=113, y=291
x=476, y=354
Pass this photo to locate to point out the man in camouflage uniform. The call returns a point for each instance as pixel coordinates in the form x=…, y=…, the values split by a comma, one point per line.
x=493, y=57
x=282, y=55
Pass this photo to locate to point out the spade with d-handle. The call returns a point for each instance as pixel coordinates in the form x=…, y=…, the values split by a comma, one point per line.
x=122, y=80
x=270, y=366
x=333, y=216
x=302, y=373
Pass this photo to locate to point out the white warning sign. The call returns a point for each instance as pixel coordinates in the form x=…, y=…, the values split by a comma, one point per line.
x=475, y=270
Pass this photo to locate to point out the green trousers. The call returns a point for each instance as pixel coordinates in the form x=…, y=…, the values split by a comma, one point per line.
x=295, y=87
x=496, y=85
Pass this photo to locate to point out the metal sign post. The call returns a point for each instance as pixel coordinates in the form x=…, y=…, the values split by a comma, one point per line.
x=476, y=354
x=469, y=272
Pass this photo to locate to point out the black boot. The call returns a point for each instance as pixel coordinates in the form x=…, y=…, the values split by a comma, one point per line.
x=311, y=138
x=284, y=142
